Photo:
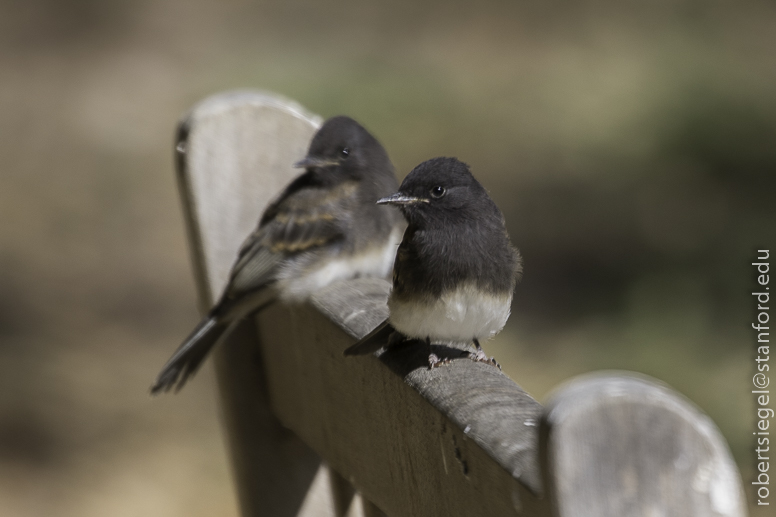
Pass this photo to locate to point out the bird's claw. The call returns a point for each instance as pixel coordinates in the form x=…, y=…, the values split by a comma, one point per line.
x=480, y=357
x=434, y=361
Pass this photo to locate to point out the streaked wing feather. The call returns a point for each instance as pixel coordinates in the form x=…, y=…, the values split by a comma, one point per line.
x=302, y=219
x=254, y=268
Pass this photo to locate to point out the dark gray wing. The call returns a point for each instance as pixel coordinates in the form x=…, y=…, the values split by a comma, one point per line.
x=311, y=218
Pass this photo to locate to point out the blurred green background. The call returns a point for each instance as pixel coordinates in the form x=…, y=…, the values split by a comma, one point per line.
x=631, y=148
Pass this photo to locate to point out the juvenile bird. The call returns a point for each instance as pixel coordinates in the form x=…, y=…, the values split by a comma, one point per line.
x=325, y=226
x=455, y=269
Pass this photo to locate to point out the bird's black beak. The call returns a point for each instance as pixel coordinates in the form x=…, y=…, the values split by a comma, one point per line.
x=315, y=161
x=400, y=199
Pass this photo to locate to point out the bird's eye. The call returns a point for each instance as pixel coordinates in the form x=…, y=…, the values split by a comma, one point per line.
x=438, y=191
x=345, y=152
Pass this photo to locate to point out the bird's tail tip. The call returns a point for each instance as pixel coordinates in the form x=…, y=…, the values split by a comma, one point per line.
x=168, y=379
x=156, y=389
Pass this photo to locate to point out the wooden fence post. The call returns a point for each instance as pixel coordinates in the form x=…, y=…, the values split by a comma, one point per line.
x=618, y=445
x=234, y=152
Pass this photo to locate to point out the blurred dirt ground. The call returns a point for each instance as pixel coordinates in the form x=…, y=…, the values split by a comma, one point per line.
x=631, y=148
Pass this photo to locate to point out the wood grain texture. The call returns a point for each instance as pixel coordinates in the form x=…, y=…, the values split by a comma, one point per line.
x=234, y=153
x=622, y=445
x=458, y=440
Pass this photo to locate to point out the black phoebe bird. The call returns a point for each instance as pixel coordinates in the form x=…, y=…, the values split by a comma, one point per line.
x=455, y=269
x=325, y=226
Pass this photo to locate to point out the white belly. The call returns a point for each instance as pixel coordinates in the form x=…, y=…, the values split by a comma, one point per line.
x=458, y=316
x=374, y=262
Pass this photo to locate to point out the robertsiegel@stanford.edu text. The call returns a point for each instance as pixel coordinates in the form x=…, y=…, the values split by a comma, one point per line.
x=761, y=379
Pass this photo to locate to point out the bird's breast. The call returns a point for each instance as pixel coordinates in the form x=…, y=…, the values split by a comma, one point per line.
x=458, y=315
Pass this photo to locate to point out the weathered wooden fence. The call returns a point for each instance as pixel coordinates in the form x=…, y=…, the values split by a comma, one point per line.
x=308, y=427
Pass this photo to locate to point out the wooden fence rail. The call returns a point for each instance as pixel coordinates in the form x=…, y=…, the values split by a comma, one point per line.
x=307, y=425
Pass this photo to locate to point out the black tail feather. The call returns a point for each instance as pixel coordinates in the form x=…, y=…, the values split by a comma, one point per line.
x=214, y=328
x=373, y=341
x=187, y=358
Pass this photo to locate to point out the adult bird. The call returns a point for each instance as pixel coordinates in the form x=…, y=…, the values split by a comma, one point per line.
x=455, y=270
x=325, y=226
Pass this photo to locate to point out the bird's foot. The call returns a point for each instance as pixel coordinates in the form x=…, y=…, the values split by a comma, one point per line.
x=480, y=357
x=434, y=361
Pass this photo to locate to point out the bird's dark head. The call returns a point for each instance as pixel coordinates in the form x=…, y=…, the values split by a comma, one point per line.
x=343, y=148
x=440, y=189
